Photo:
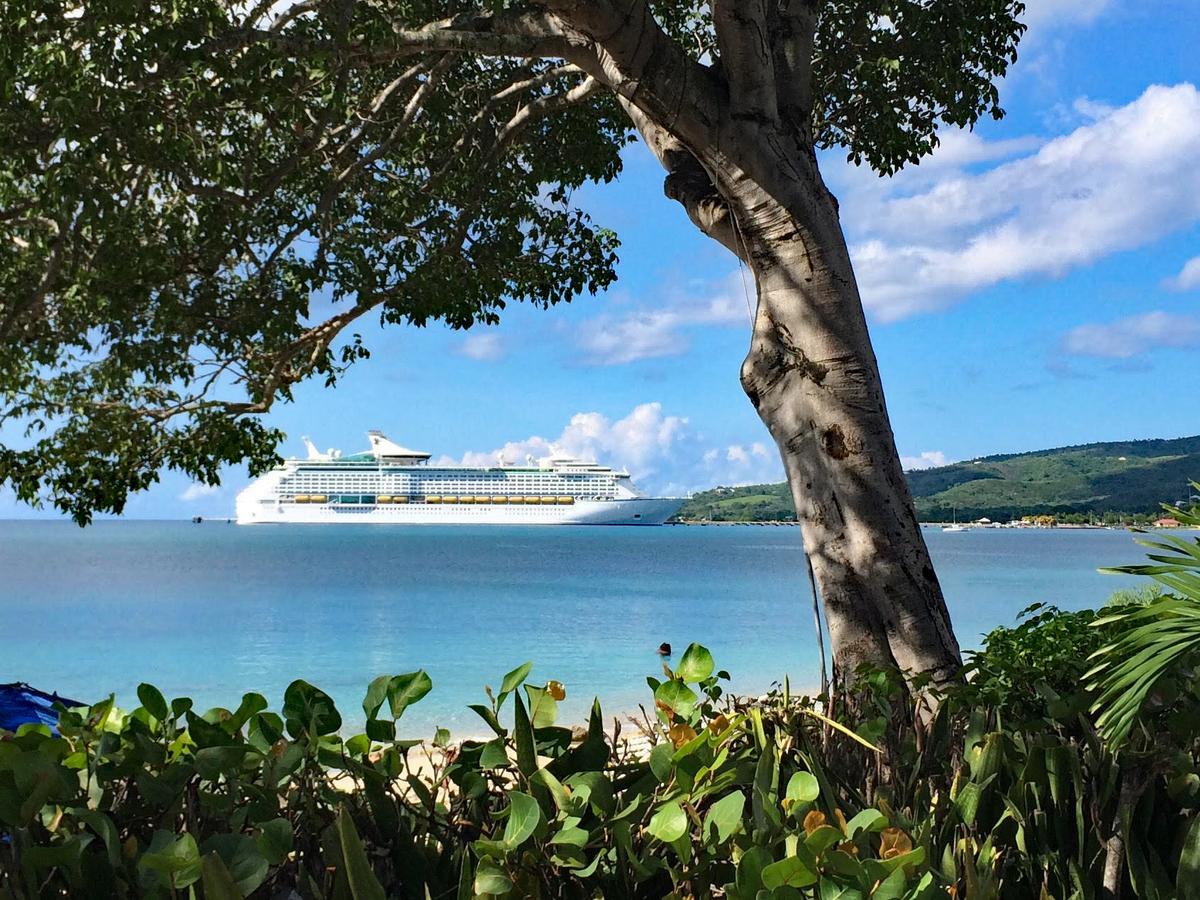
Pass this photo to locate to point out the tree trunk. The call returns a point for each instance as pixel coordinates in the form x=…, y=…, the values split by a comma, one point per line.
x=812, y=376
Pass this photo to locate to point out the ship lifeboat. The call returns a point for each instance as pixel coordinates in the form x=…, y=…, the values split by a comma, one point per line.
x=433, y=499
x=499, y=499
x=566, y=501
x=383, y=498
x=317, y=498
x=547, y=500
x=399, y=499
x=302, y=498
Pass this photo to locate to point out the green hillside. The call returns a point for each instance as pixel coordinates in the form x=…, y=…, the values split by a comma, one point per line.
x=1131, y=477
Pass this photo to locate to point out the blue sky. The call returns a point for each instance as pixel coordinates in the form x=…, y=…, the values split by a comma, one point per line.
x=1035, y=283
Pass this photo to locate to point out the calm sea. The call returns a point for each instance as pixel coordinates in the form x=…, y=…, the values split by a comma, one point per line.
x=211, y=611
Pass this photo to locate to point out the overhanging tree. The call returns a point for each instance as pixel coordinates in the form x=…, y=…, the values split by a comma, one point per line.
x=200, y=199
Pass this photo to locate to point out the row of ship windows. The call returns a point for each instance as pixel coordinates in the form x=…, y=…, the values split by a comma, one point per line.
x=432, y=499
x=462, y=484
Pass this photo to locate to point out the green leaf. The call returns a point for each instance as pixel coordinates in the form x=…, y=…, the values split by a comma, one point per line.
x=749, y=870
x=696, y=664
x=490, y=879
x=724, y=818
x=790, y=872
x=661, y=759
x=524, y=816
x=513, y=679
x=677, y=696
x=543, y=708
x=215, y=878
x=376, y=694
x=175, y=860
x=309, y=710
x=405, y=690
x=151, y=698
x=243, y=861
x=361, y=880
x=275, y=840
x=867, y=821
x=523, y=736
x=669, y=824
x=1187, y=879
x=494, y=755
x=803, y=787
x=822, y=839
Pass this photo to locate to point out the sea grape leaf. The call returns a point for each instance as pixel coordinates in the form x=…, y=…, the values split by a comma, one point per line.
x=696, y=664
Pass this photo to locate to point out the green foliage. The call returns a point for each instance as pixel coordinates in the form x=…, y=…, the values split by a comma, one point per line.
x=1154, y=654
x=246, y=803
x=1006, y=791
x=205, y=203
x=1112, y=482
x=188, y=195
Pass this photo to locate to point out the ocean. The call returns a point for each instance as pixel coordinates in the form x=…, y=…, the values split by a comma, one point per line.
x=214, y=610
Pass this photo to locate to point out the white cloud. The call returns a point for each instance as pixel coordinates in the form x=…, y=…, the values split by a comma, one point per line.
x=1188, y=278
x=1122, y=181
x=485, y=346
x=197, y=491
x=610, y=340
x=930, y=459
x=1132, y=336
x=642, y=441
x=662, y=452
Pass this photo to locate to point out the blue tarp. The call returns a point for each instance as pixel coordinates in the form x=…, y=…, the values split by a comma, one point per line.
x=20, y=704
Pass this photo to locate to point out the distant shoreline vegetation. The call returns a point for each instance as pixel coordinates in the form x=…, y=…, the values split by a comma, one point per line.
x=1115, y=483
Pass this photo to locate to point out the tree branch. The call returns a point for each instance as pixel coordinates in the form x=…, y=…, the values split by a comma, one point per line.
x=515, y=33
x=633, y=56
x=744, y=45
x=689, y=183
x=793, y=26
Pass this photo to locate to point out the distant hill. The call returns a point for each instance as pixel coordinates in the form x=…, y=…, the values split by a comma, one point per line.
x=1131, y=477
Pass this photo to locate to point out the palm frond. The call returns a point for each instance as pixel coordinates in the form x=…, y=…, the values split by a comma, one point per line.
x=1152, y=639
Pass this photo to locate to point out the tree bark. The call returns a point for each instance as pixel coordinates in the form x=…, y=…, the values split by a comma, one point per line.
x=812, y=375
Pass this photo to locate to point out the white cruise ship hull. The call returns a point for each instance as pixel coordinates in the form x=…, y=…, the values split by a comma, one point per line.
x=637, y=511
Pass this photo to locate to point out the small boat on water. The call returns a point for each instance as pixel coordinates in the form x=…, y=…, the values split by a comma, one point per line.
x=955, y=527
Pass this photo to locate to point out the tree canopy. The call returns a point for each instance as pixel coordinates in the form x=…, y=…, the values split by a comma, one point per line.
x=202, y=202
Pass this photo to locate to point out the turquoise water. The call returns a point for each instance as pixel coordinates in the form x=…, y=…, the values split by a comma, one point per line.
x=211, y=611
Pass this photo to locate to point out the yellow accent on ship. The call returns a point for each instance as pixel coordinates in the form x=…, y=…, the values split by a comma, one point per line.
x=566, y=501
x=317, y=498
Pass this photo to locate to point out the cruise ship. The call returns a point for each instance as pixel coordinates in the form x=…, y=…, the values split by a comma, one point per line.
x=390, y=484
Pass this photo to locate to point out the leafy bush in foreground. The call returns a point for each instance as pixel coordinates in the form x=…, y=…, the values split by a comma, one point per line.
x=163, y=800
x=1015, y=783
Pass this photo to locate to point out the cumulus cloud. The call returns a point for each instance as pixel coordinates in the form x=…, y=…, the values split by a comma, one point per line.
x=662, y=452
x=485, y=346
x=643, y=441
x=930, y=459
x=1188, y=278
x=1121, y=181
x=198, y=491
x=1132, y=336
x=615, y=339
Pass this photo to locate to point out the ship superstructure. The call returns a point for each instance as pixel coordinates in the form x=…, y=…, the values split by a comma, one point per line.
x=392, y=484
